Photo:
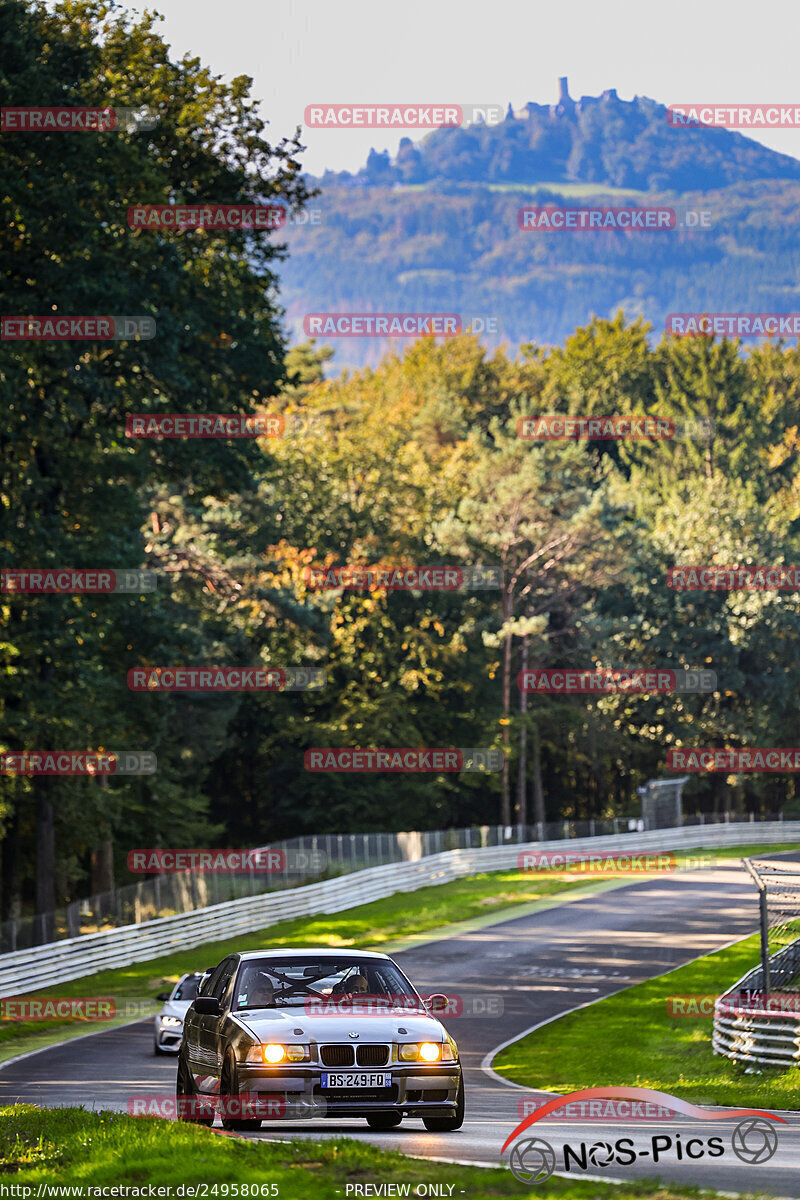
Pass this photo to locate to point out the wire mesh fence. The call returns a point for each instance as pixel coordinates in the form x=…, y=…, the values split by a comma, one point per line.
x=779, y=898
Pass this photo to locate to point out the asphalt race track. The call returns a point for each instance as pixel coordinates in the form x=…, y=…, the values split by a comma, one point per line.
x=542, y=965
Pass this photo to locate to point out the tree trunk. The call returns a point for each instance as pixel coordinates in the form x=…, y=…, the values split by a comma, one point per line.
x=505, y=814
x=11, y=904
x=45, y=851
x=102, y=856
x=102, y=861
x=522, y=791
x=538, y=790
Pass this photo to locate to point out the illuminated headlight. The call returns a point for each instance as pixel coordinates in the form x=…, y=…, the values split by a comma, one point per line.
x=273, y=1053
x=171, y=1021
x=420, y=1052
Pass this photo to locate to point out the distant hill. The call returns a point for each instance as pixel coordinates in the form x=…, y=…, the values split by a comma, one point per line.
x=435, y=228
x=597, y=139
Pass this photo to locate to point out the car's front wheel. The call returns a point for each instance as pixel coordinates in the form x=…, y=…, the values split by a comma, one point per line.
x=448, y=1124
x=384, y=1120
x=229, y=1095
x=187, y=1098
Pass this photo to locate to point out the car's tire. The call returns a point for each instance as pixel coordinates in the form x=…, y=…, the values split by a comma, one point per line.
x=229, y=1087
x=384, y=1120
x=186, y=1091
x=448, y=1124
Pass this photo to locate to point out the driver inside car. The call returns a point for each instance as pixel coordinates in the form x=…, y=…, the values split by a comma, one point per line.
x=261, y=994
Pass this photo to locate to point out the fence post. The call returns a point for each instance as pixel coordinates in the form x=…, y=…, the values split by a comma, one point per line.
x=762, y=906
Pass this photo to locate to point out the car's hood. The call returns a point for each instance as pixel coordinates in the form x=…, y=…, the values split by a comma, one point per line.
x=295, y=1025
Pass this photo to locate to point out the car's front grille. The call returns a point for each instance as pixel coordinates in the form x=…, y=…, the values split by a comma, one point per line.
x=372, y=1056
x=337, y=1056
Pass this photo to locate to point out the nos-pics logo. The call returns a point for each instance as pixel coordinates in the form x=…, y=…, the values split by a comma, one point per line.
x=533, y=1159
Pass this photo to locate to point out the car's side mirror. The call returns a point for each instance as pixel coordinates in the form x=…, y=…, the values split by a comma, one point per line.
x=436, y=1003
x=163, y=995
x=207, y=1006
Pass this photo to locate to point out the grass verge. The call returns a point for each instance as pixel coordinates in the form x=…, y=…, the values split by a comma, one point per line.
x=630, y=1039
x=91, y=1149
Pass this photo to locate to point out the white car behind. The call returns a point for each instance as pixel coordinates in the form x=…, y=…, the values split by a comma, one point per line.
x=168, y=1024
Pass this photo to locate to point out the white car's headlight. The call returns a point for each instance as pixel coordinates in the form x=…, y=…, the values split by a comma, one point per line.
x=421, y=1052
x=273, y=1053
x=171, y=1020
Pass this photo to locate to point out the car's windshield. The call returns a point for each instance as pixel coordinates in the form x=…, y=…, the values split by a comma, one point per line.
x=297, y=982
x=187, y=988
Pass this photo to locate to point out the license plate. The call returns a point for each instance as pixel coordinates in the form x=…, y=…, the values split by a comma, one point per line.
x=355, y=1079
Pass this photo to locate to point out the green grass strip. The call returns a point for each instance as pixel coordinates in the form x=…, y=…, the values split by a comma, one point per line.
x=91, y=1149
x=630, y=1039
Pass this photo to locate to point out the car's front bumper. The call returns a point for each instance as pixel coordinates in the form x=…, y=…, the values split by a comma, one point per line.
x=168, y=1037
x=417, y=1089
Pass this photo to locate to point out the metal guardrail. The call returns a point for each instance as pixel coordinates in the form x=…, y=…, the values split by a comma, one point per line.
x=72, y=958
x=754, y=1023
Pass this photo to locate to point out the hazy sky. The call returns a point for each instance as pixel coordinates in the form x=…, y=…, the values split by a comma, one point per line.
x=301, y=52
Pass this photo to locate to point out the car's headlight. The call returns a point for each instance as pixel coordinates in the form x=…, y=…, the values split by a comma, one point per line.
x=273, y=1053
x=171, y=1020
x=421, y=1052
